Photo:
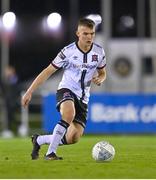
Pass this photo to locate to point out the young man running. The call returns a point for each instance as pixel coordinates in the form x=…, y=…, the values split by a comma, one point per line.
x=80, y=60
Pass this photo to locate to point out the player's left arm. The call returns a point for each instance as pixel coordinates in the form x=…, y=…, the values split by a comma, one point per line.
x=100, y=78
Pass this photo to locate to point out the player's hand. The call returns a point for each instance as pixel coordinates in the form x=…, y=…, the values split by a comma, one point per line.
x=97, y=81
x=26, y=98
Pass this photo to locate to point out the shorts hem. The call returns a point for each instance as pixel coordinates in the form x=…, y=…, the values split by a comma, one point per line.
x=63, y=100
x=81, y=123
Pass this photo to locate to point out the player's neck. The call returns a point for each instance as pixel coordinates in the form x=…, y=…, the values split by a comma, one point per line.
x=84, y=48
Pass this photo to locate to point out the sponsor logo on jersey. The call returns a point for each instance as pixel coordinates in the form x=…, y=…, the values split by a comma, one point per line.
x=82, y=66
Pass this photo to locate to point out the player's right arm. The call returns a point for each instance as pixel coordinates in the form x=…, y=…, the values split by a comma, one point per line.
x=43, y=76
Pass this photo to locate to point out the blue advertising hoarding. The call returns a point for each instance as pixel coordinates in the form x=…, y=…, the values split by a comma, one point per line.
x=111, y=113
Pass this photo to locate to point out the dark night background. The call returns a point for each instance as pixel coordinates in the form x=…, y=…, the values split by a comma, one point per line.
x=32, y=49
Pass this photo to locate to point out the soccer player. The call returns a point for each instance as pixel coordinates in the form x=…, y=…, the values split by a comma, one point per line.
x=83, y=62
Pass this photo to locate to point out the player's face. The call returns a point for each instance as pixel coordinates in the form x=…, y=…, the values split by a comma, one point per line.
x=85, y=35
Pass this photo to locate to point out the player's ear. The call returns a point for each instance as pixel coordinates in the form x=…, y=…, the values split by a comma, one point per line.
x=77, y=33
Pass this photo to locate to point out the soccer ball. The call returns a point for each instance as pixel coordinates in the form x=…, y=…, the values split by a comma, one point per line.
x=103, y=151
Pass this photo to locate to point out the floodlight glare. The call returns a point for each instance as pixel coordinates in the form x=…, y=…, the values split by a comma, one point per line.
x=127, y=21
x=96, y=18
x=8, y=20
x=54, y=20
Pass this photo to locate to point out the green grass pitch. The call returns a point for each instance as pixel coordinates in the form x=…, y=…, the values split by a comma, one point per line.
x=135, y=158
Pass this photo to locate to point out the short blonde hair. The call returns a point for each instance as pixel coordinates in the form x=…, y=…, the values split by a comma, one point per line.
x=86, y=22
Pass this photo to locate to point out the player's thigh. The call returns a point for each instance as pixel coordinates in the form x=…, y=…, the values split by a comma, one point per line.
x=67, y=110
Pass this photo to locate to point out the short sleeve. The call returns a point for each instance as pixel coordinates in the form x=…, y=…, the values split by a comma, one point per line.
x=102, y=62
x=61, y=59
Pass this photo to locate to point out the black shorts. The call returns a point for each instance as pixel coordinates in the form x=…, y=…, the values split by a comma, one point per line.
x=80, y=107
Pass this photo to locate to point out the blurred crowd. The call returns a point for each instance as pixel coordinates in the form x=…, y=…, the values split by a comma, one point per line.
x=10, y=97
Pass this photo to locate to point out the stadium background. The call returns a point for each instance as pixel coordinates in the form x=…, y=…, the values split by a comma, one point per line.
x=127, y=33
x=121, y=111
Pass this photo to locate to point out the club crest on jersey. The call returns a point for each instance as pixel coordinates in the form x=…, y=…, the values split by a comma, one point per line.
x=94, y=57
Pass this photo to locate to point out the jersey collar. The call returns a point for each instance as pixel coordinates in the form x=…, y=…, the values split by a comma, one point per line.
x=83, y=51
